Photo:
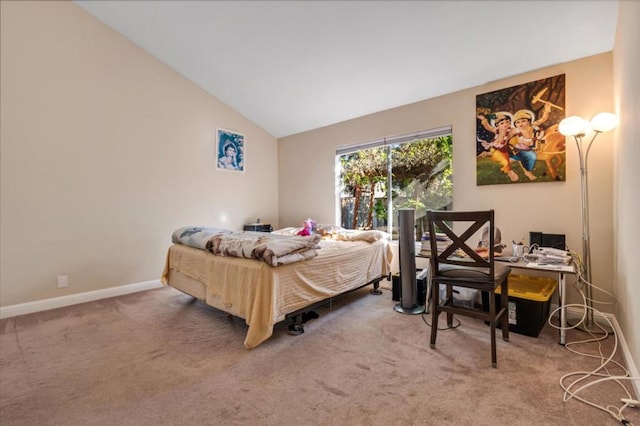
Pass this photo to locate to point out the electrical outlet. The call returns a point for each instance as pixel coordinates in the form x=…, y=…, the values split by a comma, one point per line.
x=63, y=281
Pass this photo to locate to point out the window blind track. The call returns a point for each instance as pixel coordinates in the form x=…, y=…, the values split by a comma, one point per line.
x=396, y=140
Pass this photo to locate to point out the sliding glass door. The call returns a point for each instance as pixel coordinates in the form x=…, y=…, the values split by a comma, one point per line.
x=375, y=179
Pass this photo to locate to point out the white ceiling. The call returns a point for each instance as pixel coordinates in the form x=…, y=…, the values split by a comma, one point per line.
x=292, y=66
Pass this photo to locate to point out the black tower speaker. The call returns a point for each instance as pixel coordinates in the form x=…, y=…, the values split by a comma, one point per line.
x=407, y=250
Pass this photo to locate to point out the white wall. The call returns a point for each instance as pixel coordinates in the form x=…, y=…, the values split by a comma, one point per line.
x=106, y=151
x=627, y=174
x=306, y=177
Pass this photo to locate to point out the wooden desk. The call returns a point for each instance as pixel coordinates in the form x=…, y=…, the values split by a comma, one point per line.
x=560, y=271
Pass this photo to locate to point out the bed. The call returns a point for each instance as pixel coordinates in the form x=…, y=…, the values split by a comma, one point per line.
x=265, y=287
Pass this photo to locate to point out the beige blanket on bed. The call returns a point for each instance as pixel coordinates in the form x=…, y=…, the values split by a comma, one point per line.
x=263, y=295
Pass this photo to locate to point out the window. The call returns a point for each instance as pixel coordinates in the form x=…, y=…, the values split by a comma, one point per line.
x=379, y=177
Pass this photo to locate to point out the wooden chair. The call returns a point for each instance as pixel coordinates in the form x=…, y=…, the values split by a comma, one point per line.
x=458, y=264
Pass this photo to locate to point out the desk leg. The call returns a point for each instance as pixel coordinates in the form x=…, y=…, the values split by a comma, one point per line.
x=562, y=292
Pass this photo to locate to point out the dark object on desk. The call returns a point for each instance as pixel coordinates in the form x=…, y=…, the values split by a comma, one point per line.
x=472, y=271
x=258, y=227
x=529, y=303
x=547, y=240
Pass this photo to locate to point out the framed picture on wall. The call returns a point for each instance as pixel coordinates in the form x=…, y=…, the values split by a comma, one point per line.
x=517, y=138
x=230, y=152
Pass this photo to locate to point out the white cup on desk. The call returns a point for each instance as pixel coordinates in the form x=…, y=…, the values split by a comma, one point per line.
x=518, y=250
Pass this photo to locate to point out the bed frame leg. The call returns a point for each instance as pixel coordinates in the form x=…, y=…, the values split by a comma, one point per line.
x=376, y=288
x=298, y=320
x=297, y=327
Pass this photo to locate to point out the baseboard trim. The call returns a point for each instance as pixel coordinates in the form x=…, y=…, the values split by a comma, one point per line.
x=626, y=354
x=74, y=299
x=576, y=314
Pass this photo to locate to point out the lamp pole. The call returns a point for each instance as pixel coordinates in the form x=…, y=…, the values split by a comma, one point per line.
x=578, y=127
x=584, y=204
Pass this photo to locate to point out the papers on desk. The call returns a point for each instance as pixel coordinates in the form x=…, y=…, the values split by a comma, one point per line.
x=442, y=242
x=561, y=267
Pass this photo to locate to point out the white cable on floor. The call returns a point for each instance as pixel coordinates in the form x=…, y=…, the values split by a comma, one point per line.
x=572, y=390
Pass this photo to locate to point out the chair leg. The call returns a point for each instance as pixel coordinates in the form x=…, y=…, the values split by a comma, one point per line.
x=435, y=302
x=492, y=313
x=504, y=304
x=449, y=298
x=428, y=302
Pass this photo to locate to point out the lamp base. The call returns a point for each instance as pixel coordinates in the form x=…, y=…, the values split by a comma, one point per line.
x=416, y=310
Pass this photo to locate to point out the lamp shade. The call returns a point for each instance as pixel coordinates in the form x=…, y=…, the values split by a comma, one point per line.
x=574, y=126
x=604, y=122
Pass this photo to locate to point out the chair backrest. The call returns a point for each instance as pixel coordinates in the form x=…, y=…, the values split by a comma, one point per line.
x=456, y=250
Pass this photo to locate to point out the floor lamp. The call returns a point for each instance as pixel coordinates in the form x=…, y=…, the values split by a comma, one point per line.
x=578, y=127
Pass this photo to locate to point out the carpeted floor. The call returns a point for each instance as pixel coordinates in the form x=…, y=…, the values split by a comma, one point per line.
x=159, y=357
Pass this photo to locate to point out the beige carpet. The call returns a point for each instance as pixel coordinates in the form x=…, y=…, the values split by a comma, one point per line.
x=160, y=358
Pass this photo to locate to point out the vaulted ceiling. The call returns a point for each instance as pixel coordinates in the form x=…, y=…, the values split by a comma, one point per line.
x=292, y=66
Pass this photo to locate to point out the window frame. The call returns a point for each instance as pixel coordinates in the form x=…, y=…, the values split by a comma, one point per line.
x=389, y=143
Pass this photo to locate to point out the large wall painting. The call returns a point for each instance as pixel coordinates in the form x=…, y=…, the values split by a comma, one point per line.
x=517, y=138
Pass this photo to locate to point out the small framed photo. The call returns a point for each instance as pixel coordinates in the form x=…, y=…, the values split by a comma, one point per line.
x=230, y=152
